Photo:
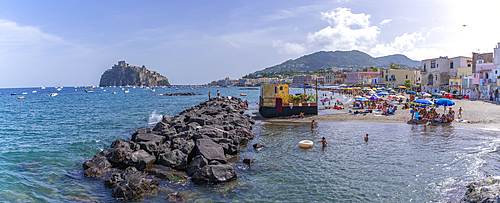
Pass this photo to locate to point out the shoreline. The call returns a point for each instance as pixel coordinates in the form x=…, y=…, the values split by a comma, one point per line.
x=481, y=114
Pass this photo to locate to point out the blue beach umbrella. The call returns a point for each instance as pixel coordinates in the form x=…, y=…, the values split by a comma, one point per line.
x=373, y=97
x=383, y=93
x=423, y=101
x=411, y=92
x=361, y=99
x=444, y=102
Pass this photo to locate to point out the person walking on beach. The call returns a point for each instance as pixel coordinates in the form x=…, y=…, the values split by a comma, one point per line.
x=209, y=96
x=323, y=142
x=218, y=93
x=460, y=113
x=366, y=137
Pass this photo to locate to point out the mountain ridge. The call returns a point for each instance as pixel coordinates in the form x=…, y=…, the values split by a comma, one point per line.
x=340, y=59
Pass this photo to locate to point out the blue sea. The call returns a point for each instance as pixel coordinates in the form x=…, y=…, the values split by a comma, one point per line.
x=45, y=140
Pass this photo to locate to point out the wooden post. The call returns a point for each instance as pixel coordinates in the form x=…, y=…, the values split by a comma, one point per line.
x=317, y=102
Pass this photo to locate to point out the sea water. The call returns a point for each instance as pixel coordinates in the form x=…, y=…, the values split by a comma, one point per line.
x=46, y=139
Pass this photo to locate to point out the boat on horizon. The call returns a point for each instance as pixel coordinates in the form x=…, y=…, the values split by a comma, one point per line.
x=113, y=92
x=20, y=98
x=53, y=95
x=126, y=91
x=34, y=91
x=42, y=87
x=243, y=94
x=24, y=93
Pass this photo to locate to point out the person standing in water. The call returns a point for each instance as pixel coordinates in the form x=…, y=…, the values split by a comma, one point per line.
x=313, y=124
x=323, y=142
x=366, y=137
x=460, y=112
x=218, y=93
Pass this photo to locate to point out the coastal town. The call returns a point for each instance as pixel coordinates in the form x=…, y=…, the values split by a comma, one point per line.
x=475, y=77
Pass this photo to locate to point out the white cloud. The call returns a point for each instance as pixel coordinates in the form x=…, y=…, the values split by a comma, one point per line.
x=289, y=48
x=14, y=37
x=349, y=31
x=385, y=21
x=237, y=46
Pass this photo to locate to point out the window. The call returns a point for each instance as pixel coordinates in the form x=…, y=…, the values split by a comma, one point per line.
x=406, y=76
x=480, y=61
x=386, y=78
x=431, y=78
x=425, y=67
x=451, y=65
x=469, y=65
x=433, y=64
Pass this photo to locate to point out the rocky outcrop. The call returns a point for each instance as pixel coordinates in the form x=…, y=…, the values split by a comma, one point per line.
x=122, y=74
x=194, y=143
x=486, y=190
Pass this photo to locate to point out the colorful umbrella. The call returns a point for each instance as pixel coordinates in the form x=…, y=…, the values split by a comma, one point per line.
x=422, y=101
x=383, y=93
x=361, y=99
x=444, y=102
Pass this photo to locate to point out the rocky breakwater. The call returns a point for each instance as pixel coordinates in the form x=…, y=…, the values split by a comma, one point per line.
x=197, y=143
x=485, y=190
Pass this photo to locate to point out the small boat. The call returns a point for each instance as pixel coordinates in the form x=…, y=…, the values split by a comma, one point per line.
x=153, y=90
x=59, y=89
x=243, y=94
x=113, y=92
x=53, y=95
x=20, y=97
x=13, y=94
x=34, y=91
x=126, y=91
x=42, y=87
x=75, y=90
x=90, y=91
x=104, y=90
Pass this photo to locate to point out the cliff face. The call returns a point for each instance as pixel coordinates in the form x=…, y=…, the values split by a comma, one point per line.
x=122, y=74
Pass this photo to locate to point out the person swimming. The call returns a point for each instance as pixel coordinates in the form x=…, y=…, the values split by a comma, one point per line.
x=323, y=142
x=366, y=137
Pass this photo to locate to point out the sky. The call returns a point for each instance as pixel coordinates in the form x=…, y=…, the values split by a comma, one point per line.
x=71, y=43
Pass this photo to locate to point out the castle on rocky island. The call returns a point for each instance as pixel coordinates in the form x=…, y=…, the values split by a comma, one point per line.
x=123, y=74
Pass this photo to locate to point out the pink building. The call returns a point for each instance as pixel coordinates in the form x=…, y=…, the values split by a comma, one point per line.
x=356, y=78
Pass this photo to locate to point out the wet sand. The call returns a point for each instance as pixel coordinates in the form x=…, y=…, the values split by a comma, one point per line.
x=479, y=113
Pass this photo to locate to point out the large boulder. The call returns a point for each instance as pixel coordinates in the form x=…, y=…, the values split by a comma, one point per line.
x=187, y=147
x=210, y=150
x=176, y=143
x=211, y=174
x=174, y=159
x=150, y=147
x=211, y=132
x=161, y=126
x=199, y=120
x=485, y=190
x=96, y=167
x=116, y=156
x=133, y=186
x=196, y=164
x=140, y=159
x=244, y=132
x=158, y=139
x=166, y=119
x=167, y=174
x=140, y=131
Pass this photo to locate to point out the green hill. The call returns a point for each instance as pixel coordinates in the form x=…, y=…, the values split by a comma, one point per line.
x=340, y=59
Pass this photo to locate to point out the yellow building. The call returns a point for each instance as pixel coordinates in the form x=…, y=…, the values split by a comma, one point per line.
x=397, y=77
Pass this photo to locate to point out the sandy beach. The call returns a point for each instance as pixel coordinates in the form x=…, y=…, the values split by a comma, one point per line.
x=479, y=113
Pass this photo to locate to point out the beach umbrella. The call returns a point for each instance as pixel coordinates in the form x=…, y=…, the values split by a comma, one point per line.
x=401, y=96
x=402, y=87
x=357, y=96
x=361, y=99
x=411, y=92
x=422, y=101
x=372, y=92
x=373, y=97
x=383, y=93
x=444, y=102
x=348, y=88
x=393, y=91
x=426, y=95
